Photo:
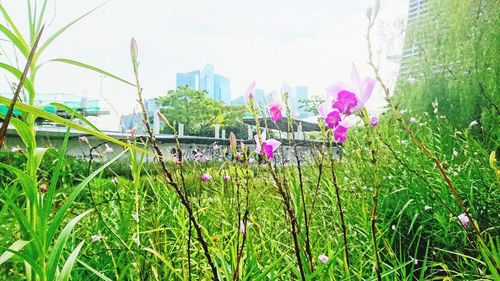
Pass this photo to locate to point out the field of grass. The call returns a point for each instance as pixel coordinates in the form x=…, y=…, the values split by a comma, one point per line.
x=412, y=197
x=138, y=229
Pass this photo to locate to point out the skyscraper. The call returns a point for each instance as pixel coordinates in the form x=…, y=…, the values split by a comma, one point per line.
x=217, y=87
x=416, y=11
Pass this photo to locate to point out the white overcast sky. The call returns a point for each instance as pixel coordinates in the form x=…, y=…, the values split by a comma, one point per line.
x=302, y=42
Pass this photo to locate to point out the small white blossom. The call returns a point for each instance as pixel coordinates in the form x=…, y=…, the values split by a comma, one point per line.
x=323, y=259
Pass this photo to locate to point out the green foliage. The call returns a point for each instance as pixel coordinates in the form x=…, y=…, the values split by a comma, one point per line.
x=198, y=113
x=311, y=104
x=457, y=66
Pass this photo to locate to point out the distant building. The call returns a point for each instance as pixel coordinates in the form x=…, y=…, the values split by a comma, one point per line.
x=416, y=11
x=296, y=94
x=217, y=87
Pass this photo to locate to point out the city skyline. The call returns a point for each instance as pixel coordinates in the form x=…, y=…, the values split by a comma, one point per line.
x=264, y=41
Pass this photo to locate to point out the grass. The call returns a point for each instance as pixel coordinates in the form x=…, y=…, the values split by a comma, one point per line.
x=63, y=219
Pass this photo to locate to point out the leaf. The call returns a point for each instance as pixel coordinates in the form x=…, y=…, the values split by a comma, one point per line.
x=27, y=183
x=99, y=274
x=67, y=203
x=16, y=246
x=13, y=26
x=68, y=265
x=13, y=38
x=57, y=250
x=93, y=68
x=22, y=129
x=54, y=118
x=27, y=259
x=17, y=73
x=75, y=113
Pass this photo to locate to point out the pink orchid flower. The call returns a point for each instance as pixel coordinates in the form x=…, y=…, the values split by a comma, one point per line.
x=275, y=109
x=323, y=259
x=349, y=98
x=268, y=145
x=340, y=132
x=206, y=177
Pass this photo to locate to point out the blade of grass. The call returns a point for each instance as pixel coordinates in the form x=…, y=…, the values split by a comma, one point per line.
x=93, y=68
x=68, y=265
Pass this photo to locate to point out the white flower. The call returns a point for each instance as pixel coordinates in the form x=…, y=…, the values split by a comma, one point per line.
x=114, y=180
x=108, y=149
x=95, y=238
x=243, y=229
x=323, y=259
x=464, y=219
x=427, y=208
x=404, y=142
x=473, y=123
x=16, y=149
x=393, y=227
x=455, y=153
x=413, y=120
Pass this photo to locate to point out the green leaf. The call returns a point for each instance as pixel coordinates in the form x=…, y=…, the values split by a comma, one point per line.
x=25, y=258
x=56, y=253
x=22, y=129
x=60, y=31
x=13, y=26
x=13, y=38
x=16, y=246
x=68, y=265
x=67, y=203
x=27, y=183
x=17, y=73
x=75, y=113
x=54, y=118
x=93, y=68
x=99, y=274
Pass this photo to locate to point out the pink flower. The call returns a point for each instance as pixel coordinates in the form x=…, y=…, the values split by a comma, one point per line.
x=345, y=102
x=250, y=92
x=340, y=133
x=333, y=119
x=226, y=177
x=238, y=155
x=108, y=149
x=206, y=177
x=275, y=109
x=374, y=121
x=268, y=145
x=43, y=187
x=464, y=219
x=323, y=259
x=351, y=97
x=132, y=132
x=82, y=139
x=232, y=141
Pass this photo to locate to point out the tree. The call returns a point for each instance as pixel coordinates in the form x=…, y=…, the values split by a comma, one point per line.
x=198, y=113
x=311, y=104
x=457, y=65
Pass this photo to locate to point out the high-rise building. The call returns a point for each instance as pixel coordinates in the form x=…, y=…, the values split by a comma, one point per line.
x=217, y=87
x=416, y=11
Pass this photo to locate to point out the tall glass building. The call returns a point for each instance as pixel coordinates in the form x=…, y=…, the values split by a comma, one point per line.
x=416, y=12
x=217, y=87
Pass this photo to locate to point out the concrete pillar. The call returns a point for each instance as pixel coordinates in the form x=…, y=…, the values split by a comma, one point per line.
x=217, y=130
x=299, y=135
x=249, y=132
x=180, y=130
x=223, y=133
x=156, y=122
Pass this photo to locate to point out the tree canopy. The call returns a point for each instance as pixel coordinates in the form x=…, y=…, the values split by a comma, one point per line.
x=198, y=113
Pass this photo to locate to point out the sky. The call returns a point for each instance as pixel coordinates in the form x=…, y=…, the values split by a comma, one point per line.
x=301, y=42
